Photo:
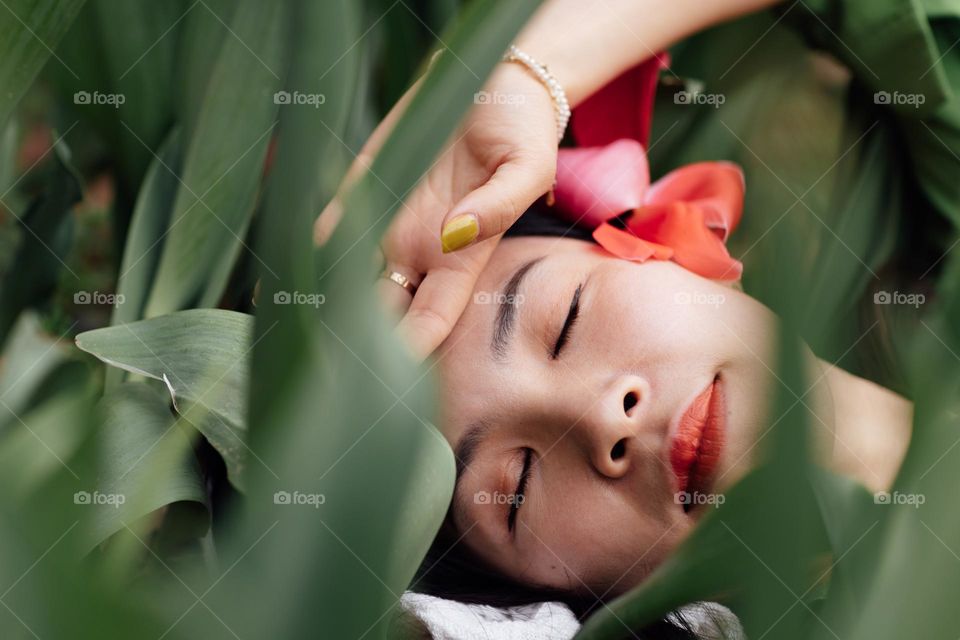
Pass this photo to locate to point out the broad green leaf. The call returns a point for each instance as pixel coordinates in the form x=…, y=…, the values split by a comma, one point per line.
x=28, y=31
x=914, y=568
x=50, y=595
x=223, y=162
x=146, y=236
x=145, y=462
x=201, y=44
x=201, y=356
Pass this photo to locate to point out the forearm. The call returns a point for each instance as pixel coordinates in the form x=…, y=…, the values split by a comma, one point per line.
x=587, y=44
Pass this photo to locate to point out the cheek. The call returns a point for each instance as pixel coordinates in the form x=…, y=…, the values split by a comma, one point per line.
x=671, y=314
x=654, y=315
x=590, y=534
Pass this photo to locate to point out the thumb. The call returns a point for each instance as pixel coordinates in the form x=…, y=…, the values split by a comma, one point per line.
x=490, y=209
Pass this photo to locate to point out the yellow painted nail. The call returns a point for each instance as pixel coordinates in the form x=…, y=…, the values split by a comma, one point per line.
x=459, y=232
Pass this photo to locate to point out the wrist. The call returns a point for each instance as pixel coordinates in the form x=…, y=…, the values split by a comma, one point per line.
x=511, y=83
x=586, y=46
x=538, y=70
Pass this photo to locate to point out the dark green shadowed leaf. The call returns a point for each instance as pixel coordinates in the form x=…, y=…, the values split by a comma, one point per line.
x=223, y=162
x=202, y=357
x=46, y=229
x=28, y=31
x=201, y=45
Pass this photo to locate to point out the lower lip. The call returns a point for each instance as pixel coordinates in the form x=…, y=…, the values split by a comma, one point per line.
x=698, y=442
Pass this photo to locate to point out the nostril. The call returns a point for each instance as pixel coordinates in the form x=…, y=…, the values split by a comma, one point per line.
x=619, y=450
x=630, y=401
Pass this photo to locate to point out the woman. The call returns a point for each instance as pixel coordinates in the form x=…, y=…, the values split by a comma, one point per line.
x=599, y=405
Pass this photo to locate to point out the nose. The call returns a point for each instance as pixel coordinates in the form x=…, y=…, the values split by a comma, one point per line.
x=610, y=428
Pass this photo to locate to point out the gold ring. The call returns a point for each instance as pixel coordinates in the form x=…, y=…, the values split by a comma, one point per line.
x=401, y=280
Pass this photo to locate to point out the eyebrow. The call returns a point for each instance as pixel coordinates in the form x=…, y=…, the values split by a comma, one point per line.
x=506, y=318
x=464, y=453
x=466, y=449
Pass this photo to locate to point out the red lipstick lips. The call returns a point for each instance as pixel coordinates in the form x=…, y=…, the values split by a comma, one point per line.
x=698, y=442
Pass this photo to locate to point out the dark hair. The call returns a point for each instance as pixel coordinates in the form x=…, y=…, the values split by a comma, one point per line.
x=451, y=570
x=541, y=220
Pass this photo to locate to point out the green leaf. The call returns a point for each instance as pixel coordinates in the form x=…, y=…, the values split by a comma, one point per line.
x=29, y=29
x=146, y=236
x=29, y=358
x=201, y=45
x=45, y=239
x=138, y=39
x=9, y=140
x=145, y=462
x=223, y=162
x=201, y=355
x=41, y=438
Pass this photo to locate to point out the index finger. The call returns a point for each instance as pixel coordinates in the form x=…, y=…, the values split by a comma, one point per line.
x=439, y=303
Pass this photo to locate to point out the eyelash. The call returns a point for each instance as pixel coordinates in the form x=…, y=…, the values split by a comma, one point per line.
x=568, y=323
x=521, y=487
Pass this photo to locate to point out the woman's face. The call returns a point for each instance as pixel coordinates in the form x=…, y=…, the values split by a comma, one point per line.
x=582, y=412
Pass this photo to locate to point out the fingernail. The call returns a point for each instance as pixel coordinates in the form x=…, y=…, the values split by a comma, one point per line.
x=459, y=232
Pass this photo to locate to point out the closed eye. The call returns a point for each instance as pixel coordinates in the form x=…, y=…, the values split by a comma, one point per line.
x=572, y=314
x=518, y=493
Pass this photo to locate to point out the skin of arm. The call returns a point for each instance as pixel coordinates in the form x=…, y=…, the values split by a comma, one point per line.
x=586, y=44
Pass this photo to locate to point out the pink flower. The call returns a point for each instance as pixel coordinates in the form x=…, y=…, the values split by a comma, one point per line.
x=686, y=216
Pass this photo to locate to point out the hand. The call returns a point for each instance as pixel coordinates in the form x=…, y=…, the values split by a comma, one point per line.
x=501, y=159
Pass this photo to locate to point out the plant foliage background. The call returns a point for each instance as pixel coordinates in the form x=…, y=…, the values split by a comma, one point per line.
x=179, y=463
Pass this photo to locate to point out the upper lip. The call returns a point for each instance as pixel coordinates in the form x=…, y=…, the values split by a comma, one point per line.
x=692, y=456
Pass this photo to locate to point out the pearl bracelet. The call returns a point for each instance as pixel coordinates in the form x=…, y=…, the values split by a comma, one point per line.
x=560, y=104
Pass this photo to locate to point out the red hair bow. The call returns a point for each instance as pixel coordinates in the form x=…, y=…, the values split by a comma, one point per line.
x=686, y=216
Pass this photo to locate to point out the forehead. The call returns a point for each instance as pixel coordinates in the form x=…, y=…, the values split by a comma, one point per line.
x=469, y=375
